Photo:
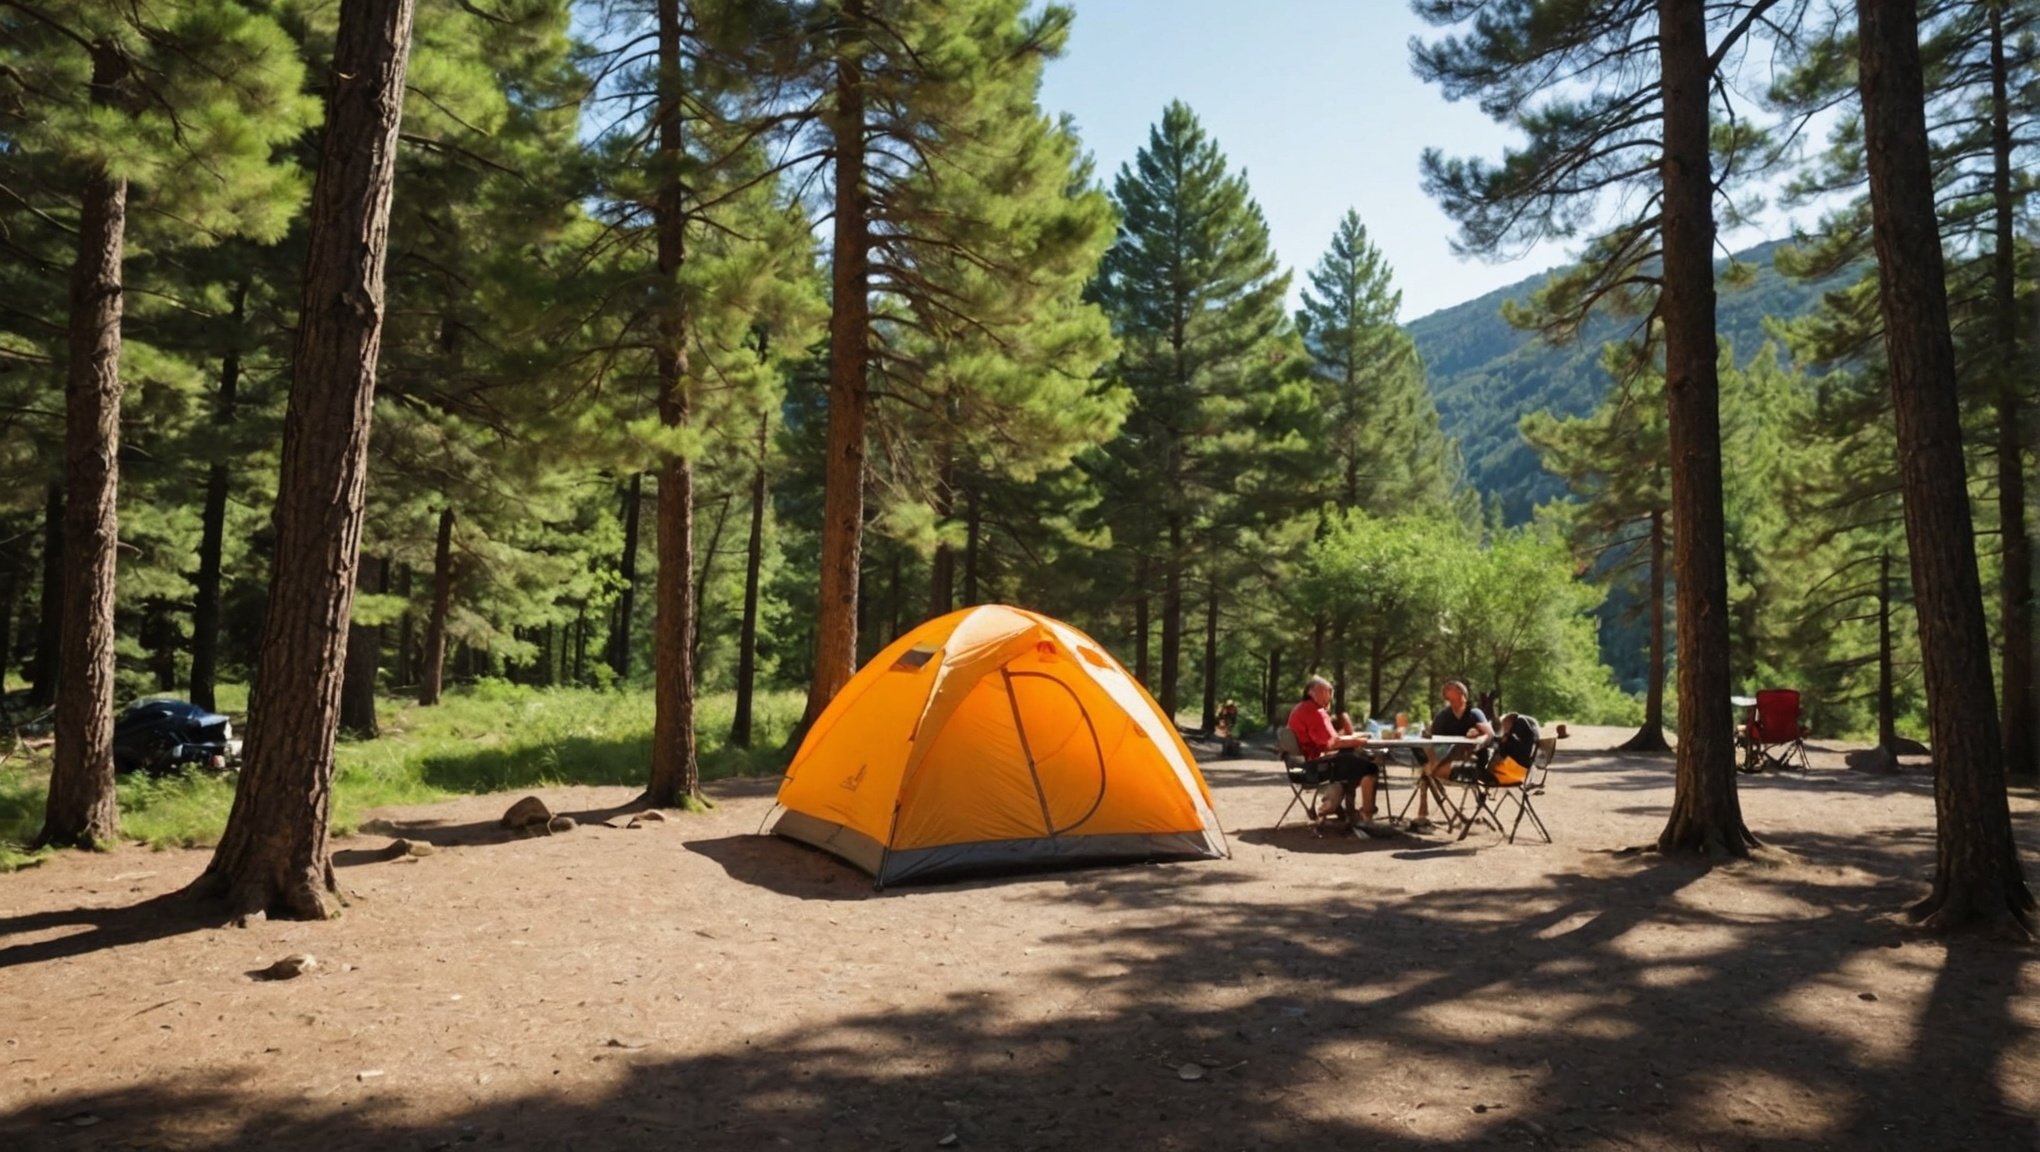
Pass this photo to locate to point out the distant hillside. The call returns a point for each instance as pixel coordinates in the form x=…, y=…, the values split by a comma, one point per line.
x=1485, y=375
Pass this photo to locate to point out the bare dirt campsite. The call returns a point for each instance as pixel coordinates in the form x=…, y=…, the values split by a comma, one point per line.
x=689, y=983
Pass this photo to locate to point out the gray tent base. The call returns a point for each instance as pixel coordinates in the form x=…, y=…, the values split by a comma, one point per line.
x=951, y=861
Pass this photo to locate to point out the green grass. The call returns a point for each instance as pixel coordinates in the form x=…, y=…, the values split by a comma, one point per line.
x=490, y=738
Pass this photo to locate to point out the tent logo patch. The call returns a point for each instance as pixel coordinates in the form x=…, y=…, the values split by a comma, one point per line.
x=852, y=782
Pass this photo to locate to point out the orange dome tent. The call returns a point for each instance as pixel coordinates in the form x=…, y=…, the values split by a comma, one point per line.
x=995, y=738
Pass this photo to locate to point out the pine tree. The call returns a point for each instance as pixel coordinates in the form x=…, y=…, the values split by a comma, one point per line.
x=1645, y=127
x=952, y=214
x=1977, y=877
x=1196, y=298
x=272, y=857
x=178, y=107
x=1621, y=520
x=1382, y=426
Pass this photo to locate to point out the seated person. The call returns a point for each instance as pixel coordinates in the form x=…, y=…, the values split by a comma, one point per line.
x=1335, y=751
x=1457, y=718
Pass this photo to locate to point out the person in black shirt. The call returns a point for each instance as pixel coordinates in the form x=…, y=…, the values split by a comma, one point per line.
x=1457, y=718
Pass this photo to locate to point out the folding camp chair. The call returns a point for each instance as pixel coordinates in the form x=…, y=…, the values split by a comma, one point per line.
x=1301, y=775
x=1773, y=723
x=1500, y=785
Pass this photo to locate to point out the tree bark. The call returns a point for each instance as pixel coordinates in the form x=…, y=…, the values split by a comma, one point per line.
x=1977, y=878
x=1651, y=737
x=754, y=565
x=205, y=609
x=1172, y=620
x=406, y=632
x=273, y=858
x=1271, y=700
x=81, y=810
x=2015, y=572
x=364, y=657
x=849, y=388
x=10, y=588
x=707, y=566
x=973, y=528
x=1887, y=711
x=626, y=574
x=49, y=621
x=676, y=774
x=1706, y=813
x=942, y=566
x=1142, y=665
x=1210, y=718
x=432, y=676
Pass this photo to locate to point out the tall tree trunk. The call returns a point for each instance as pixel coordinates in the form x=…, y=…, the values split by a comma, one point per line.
x=1271, y=696
x=1887, y=712
x=1210, y=718
x=580, y=644
x=81, y=810
x=364, y=657
x=626, y=574
x=49, y=621
x=1651, y=737
x=1320, y=626
x=1143, y=666
x=432, y=674
x=1706, y=813
x=894, y=594
x=942, y=566
x=708, y=555
x=10, y=589
x=1977, y=879
x=973, y=529
x=406, y=627
x=159, y=640
x=849, y=389
x=212, y=531
x=272, y=857
x=676, y=775
x=754, y=565
x=1377, y=662
x=1172, y=620
x=2015, y=573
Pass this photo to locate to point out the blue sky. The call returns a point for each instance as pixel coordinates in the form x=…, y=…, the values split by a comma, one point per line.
x=1315, y=99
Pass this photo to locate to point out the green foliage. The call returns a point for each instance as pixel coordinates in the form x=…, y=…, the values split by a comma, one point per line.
x=1423, y=600
x=494, y=737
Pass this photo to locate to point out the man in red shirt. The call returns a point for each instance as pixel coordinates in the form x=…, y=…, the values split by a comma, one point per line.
x=1334, y=753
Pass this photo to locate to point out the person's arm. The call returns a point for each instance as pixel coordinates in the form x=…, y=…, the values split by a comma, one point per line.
x=1481, y=728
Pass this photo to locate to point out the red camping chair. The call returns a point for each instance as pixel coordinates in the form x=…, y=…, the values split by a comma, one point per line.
x=1773, y=723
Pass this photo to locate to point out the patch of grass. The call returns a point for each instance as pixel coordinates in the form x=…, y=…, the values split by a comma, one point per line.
x=489, y=738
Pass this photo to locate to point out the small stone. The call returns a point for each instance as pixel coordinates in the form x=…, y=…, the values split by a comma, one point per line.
x=420, y=848
x=290, y=967
x=368, y=1074
x=635, y=824
x=652, y=816
x=1190, y=1072
x=526, y=813
x=1866, y=995
x=1479, y=1108
x=949, y=1141
x=560, y=824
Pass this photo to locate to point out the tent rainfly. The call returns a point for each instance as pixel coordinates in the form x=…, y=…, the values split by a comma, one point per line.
x=989, y=739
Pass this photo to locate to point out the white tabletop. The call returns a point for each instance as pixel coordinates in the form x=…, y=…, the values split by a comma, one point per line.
x=1415, y=741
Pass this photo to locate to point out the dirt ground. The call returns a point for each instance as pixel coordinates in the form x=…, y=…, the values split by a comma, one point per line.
x=694, y=984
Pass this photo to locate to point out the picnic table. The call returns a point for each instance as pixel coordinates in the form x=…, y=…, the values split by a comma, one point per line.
x=1418, y=747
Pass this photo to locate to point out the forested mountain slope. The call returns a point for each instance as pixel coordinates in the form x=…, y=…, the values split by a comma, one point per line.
x=1485, y=374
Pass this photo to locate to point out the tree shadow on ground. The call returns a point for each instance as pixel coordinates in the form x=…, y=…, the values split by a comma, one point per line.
x=159, y=917
x=1608, y=1009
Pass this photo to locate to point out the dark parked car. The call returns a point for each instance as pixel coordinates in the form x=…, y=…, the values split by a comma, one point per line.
x=161, y=736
